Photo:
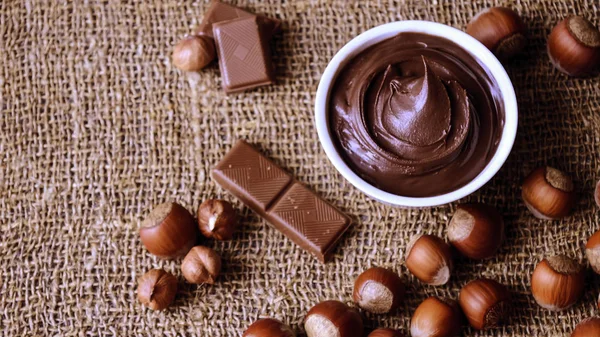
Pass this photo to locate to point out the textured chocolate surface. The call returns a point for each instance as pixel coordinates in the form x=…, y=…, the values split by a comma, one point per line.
x=292, y=208
x=220, y=12
x=244, y=54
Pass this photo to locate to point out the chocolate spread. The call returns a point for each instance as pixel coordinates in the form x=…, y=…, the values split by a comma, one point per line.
x=416, y=115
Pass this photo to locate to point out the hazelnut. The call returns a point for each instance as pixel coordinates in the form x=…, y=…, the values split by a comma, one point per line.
x=557, y=282
x=333, y=319
x=378, y=290
x=548, y=193
x=268, y=327
x=476, y=230
x=597, y=194
x=485, y=303
x=169, y=231
x=589, y=327
x=157, y=289
x=501, y=30
x=217, y=219
x=385, y=332
x=574, y=47
x=436, y=317
x=194, y=53
x=592, y=251
x=201, y=265
x=429, y=258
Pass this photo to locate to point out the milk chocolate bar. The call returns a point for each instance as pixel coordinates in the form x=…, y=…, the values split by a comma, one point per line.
x=244, y=54
x=219, y=12
x=292, y=208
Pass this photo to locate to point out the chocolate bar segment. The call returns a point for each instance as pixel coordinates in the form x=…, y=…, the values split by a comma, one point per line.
x=219, y=12
x=244, y=54
x=292, y=208
x=251, y=177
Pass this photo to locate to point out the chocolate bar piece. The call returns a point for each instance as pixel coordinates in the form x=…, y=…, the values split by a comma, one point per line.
x=292, y=208
x=244, y=54
x=219, y=12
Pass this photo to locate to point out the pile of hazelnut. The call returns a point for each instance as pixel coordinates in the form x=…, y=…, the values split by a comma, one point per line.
x=169, y=232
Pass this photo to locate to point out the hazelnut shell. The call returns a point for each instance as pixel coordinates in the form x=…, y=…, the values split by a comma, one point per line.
x=436, y=317
x=378, y=290
x=333, y=319
x=157, y=289
x=201, y=265
x=574, y=47
x=557, y=282
x=485, y=303
x=476, y=230
x=194, y=53
x=217, y=219
x=169, y=231
x=548, y=193
x=501, y=30
x=592, y=251
x=268, y=327
x=589, y=327
x=429, y=258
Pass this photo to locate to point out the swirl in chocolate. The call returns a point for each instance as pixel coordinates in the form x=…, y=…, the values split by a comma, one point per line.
x=416, y=115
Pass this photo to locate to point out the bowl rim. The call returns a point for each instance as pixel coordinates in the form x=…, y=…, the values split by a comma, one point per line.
x=469, y=44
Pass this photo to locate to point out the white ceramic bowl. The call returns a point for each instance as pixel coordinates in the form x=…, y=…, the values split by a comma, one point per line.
x=472, y=46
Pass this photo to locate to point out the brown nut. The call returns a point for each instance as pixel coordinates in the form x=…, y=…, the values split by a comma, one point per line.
x=385, y=332
x=194, y=53
x=485, y=303
x=589, y=327
x=429, y=258
x=201, y=265
x=557, y=282
x=501, y=30
x=592, y=251
x=169, y=231
x=476, y=230
x=548, y=193
x=333, y=319
x=157, y=289
x=574, y=47
x=436, y=317
x=378, y=290
x=268, y=327
x=217, y=219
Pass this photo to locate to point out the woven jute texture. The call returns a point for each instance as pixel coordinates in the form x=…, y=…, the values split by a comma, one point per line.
x=97, y=126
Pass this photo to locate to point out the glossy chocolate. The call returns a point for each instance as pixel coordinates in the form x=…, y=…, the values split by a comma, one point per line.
x=416, y=115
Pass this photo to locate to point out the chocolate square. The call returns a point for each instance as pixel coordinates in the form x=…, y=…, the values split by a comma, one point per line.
x=219, y=12
x=244, y=54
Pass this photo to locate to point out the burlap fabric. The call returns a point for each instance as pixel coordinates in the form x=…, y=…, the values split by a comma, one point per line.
x=97, y=126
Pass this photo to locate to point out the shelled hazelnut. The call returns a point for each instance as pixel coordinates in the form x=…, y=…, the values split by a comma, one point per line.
x=157, y=289
x=589, y=327
x=385, y=332
x=548, y=193
x=436, y=317
x=217, y=219
x=194, y=53
x=169, y=231
x=268, y=327
x=557, y=282
x=501, y=30
x=476, y=230
x=592, y=251
x=485, y=303
x=378, y=290
x=201, y=265
x=574, y=47
x=429, y=258
x=333, y=319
